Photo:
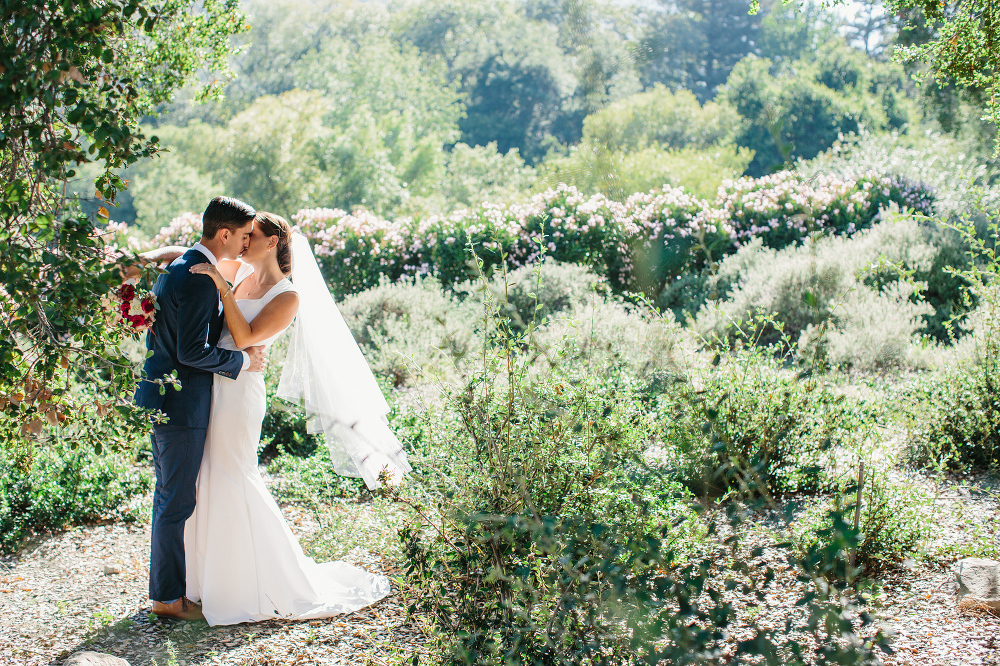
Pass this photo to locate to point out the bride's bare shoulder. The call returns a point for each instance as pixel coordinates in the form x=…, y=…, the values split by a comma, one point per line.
x=229, y=268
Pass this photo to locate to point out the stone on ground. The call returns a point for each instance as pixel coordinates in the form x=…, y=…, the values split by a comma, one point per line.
x=979, y=580
x=94, y=659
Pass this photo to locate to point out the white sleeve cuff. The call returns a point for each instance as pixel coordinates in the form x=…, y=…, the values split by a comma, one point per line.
x=246, y=360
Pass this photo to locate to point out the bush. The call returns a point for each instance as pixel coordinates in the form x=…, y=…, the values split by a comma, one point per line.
x=608, y=335
x=284, y=429
x=540, y=533
x=311, y=481
x=750, y=415
x=481, y=173
x=522, y=449
x=895, y=521
x=954, y=418
x=412, y=329
x=60, y=484
x=643, y=244
x=800, y=109
x=539, y=292
x=618, y=173
x=942, y=164
x=844, y=283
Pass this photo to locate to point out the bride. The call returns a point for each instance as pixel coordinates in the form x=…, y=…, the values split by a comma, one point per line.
x=243, y=562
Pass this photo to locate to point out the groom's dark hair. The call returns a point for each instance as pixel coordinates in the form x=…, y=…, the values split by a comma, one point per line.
x=225, y=213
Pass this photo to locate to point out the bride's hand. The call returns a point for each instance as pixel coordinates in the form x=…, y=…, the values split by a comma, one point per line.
x=212, y=272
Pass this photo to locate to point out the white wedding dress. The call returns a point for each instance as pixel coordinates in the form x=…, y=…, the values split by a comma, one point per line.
x=243, y=562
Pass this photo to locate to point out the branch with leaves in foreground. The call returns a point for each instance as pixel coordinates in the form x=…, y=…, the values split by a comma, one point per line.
x=75, y=80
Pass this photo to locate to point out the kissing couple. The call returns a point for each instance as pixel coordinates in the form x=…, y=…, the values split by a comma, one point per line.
x=218, y=537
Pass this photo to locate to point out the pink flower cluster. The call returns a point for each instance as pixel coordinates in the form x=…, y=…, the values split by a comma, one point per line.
x=786, y=206
x=184, y=230
x=665, y=232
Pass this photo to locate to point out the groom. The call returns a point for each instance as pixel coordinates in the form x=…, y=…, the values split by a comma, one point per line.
x=183, y=339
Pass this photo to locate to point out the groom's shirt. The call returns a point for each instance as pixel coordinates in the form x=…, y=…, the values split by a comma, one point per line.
x=183, y=341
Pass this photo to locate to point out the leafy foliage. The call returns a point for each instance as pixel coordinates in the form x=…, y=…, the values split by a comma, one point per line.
x=773, y=429
x=695, y=44
x=956, y=416
x=540, y=534
x=957, y=43
x=856, y=289
x=64, y=484
x=75, y=80
x=955, y=419
x=894, y=521
x=800, y=110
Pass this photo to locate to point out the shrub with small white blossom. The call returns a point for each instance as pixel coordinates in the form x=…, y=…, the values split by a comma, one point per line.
x=639, y=245
x=184, y=230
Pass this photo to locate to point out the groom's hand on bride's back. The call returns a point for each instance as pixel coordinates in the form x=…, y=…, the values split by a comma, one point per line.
x=258, y=357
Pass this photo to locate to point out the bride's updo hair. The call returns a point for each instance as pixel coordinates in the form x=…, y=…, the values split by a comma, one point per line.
x=275, y=225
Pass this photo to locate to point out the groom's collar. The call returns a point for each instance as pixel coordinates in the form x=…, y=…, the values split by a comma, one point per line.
x=205, y=251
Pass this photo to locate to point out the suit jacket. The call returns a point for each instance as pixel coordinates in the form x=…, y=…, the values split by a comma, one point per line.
x=183, y=338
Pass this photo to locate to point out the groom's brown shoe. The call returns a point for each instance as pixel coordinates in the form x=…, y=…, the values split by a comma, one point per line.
x=182, y=609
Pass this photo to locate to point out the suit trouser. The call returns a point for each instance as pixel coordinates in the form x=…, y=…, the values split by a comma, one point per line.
x=177, y=454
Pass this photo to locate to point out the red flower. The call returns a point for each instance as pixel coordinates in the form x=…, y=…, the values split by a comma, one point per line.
x=138, y=321
x=124, y=308
x=148, y=304
x=126, y=292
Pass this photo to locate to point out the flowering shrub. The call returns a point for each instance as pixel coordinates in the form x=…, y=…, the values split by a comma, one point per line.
x=640, y=245
x=183, y=230
x=783, y=207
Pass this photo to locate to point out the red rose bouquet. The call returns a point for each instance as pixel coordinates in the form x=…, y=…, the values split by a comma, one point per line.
x=135, y=307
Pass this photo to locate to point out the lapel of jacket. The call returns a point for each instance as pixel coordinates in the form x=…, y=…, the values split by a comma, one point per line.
x=192, y=257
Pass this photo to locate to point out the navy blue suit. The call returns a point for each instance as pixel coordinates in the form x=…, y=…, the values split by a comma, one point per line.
x=183, y=338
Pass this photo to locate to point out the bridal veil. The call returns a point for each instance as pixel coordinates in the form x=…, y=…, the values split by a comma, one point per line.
x=328, y=375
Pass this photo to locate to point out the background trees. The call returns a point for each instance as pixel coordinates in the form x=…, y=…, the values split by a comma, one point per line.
x=346, y=104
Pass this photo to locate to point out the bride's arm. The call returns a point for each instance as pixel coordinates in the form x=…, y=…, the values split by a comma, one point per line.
x=274, y=318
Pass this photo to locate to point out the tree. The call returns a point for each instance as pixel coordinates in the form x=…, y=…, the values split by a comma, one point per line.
x=270, y=154
x=531, y=71
x=871, y=27
x=417, y=110
x=166, y=187
x=961, y=45
x=694, y=44
x=957, y=42
x=515, y=75
x=661, y=117
x=652, y=139
x=797, y=111
x=75, y=78
x=264, y=58
x=474, y=174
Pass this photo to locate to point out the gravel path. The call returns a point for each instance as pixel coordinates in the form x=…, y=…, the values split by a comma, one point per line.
x=86, y=589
